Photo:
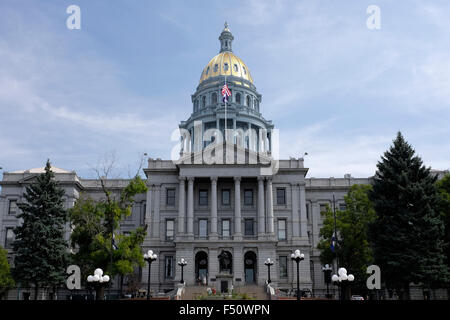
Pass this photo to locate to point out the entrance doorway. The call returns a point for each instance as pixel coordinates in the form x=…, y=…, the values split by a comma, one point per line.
x=201, y=268
x=250, y=267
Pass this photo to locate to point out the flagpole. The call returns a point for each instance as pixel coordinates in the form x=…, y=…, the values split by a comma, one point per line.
x=336, y=239
x=225, y=130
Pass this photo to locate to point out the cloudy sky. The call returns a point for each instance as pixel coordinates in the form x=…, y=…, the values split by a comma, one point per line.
x=334, y=88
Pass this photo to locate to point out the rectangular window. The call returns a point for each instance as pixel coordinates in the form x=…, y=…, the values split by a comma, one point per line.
x=170, y=229
x=225, y=197
x=281, y=196
x=202, y=228
x=248, y=197
x=281, y=229
x=249, y=227
x=283, y=267
x=323, y=208
x=226, y=228
x=203, y=197
x=342, y=207
x=9, y=239
x=12, y=207
x=170, y=197
x=168, y=267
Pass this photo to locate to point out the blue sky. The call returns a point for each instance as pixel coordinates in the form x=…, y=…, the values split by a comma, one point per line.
x=334, y=88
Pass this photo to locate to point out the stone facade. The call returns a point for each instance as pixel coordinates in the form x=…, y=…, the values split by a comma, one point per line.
x=245, y=209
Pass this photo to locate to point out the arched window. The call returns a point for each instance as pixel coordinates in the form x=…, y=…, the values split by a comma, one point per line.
x=214, y=98
x=254, y=103
x=245, y=72
x=235, y=67
x=203, y=101
x=248, y=101
x=238, y=98
x=216, y=67
x=207, y=70
x=195, y=105
x=225, y=66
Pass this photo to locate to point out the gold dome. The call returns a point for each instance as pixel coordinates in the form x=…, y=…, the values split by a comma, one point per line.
x=226, y=64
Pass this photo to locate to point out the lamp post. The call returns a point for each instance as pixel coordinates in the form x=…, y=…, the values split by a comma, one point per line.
x=327, y=274
x=149, y=257
x=98, y=281
x=342, y=280
x=297, y=257
x=182, y=263
x=268, y=263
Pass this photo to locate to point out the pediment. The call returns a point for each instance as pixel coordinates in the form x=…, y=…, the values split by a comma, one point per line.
x=225, y=153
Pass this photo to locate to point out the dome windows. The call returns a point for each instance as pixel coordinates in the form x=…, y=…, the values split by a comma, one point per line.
x=214, y=98
x=248, y=101
x=245, y=71
x=236, y=68
x=238, y=98
x=216, y=67
x=225, y=66
x=207, y=70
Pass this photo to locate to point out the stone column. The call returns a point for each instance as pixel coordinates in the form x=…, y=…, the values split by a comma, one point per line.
x=303, y=217
x=190, y=208
x=156, y=206
x=148, y=207
x=295, y=213
x=213, y=235
x=269, y=207
x=261, y=222
x=181, y=206
x=237, y=208
x=234, y=131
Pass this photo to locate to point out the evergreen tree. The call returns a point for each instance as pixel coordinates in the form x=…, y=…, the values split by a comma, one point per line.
x=6, y=280
x=40, y=248
x=444, y=191
x=407, y=235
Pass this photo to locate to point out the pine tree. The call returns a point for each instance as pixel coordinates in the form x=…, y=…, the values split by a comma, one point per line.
x=40, y=248
x=407, y=235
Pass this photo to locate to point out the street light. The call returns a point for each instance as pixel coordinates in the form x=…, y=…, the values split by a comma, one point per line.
x=98, y=281
x=182, y=263
x=342, y=280
x=268, y=263
x=297, y=257
x=327, y=273
x=149, y=257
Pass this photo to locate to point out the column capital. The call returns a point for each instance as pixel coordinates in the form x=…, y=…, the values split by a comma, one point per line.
x=182, y=179
x=237, y=179
x=214, y=179
x=295, y=185
x=190, y=179
x=269, y=179
x=260, y=179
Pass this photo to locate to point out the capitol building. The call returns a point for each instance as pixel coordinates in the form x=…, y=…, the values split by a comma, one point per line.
x=226, y=204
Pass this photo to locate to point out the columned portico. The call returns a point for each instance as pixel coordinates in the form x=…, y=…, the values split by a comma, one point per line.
x=237, y=208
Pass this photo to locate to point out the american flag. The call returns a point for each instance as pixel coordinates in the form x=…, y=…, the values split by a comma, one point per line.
x=225, y=93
